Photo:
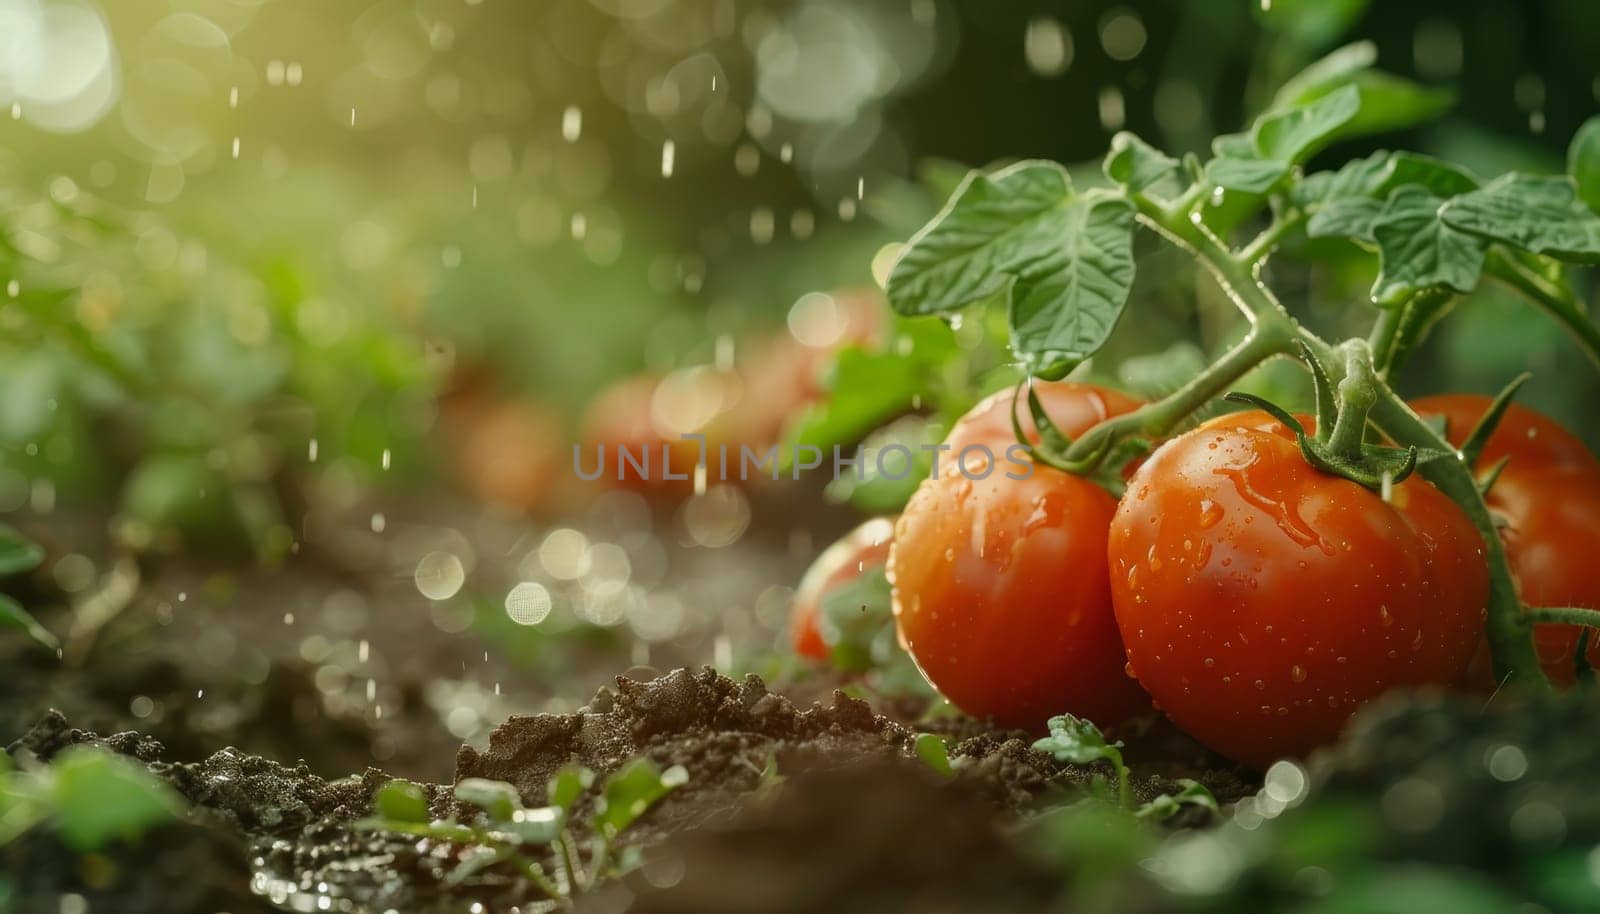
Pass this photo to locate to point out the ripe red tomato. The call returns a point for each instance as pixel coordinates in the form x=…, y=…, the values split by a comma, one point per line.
x=857, y=552
x=1262, y=600
x=1000, y=585
x=1549, y=495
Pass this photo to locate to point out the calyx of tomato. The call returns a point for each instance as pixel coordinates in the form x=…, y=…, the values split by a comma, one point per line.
x=1101, y=463
x=1340, y=445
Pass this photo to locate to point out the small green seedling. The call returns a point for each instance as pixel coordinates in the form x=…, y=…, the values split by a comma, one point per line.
x=931, y=750
x=1075, y=740
x=91, y=797
x=504, y=831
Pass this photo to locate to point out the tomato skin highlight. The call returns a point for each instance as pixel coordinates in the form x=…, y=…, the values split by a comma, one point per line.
x=1000, y=587
x=1549, y=495
x=857, y=552
x=1262, y=601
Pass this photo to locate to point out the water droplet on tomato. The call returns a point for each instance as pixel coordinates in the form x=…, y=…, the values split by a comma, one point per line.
x=1210, y=513
x=1297, y=673
x=1210, y=662
x=1385, y=617
x=1261, y=685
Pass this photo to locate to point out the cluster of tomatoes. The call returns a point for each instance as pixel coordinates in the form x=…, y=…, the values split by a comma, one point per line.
x=1252, y=598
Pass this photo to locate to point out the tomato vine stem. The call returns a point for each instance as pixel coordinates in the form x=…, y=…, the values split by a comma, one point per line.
x=1551, y=297
x=1273, y=331
x=1570, y=615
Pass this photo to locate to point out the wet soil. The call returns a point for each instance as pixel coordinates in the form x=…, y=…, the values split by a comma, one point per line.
x=850, y=806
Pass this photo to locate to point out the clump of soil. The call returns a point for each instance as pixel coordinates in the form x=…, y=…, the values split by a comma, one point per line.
x=730, y=736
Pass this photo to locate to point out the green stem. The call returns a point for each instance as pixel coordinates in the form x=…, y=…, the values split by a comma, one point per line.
x=1554, y=300
x=1356, y=396
x=1266, y=242
x=575, y=880
x=1385, y=331
x=541, y=880
x=1569, y=615
x=1509, y=633
x=1160, y=417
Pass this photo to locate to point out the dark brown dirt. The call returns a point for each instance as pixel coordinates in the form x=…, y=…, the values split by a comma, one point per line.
x=849, y=804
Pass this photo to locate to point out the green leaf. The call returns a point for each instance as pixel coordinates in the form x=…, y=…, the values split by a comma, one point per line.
x=17, y=552
x=631, y=792
x=989, y=231
x=1583, y=162
x=1325, y=74
x=401, y=801
x=1064, y=316
x=1168, y=805
x=868, y=388
x=534, y=826
x=930, y=748
x=1073, y=739
x=100, y=797
x=1234, y=146
x=1416, y=250
x=568, y=784
x=1294, y=135
x=1345, y=217
x=1437, y=176
x=1538, y=213
x=1252, y=175
x=1064, y=261
x=12, y=615
x=1356, y=178
x=497, y=799
x=853, y=618
x=1390, y=103
x=1135, y=164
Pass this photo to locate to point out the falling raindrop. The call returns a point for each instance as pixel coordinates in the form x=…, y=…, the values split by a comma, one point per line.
x=572, y=123
x=236, y=147
x=668, y=154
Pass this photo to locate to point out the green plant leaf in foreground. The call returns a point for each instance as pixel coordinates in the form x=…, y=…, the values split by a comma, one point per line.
x=1063, y=260
x=1295, y=134
x=401, y=801
x=497, y=799
x=1168, y=805
x=1135, y=164
x=629, y=793
x=1538, y=213
x=1252, y=175
x=1388, y=102
x=1417, y=250
x=100, y=797
x=930, y=748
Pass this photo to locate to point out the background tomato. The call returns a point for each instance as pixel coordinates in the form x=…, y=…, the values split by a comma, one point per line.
x=1262, y=601
x=1000, y=585
x=1549, y=496
x=857, y=552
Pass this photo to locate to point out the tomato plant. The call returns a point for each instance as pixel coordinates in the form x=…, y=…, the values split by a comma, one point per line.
x=861, y=551
x=1000, y=587
x=1321, y=518
x=1548, y=493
